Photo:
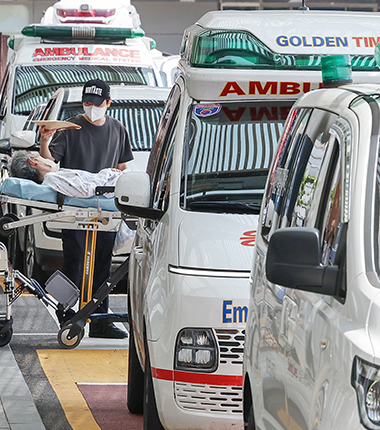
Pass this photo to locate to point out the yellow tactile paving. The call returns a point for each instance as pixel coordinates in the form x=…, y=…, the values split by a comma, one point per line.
x=64, y=368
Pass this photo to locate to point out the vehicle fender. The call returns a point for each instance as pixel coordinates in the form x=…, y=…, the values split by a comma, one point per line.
x=155, y=305
x=334, y=403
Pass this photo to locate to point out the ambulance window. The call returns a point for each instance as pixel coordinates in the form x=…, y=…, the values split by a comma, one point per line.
x=305, y=177
x=170, y=111
x=331, y=208
x=50, y=108
x=162, y=186
x=140, y=117
x=227, y=151
x=36, y=114
x=160, y=160
x=283, y=163
x=3, y=93
x=35, y=84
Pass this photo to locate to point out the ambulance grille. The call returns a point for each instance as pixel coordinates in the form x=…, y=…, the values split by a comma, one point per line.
x=209, y=398
x=231, y=346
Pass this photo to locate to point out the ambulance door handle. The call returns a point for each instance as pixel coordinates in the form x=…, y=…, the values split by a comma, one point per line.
x=138, y=253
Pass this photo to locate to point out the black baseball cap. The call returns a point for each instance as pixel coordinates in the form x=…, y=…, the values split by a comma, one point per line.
x=96, y=91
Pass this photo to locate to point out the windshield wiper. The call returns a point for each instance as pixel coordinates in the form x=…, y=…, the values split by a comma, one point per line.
x=225, y=206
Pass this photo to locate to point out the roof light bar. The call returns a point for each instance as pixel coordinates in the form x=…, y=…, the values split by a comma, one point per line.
x=229, y=49
x=82, y=32
x=64, y=13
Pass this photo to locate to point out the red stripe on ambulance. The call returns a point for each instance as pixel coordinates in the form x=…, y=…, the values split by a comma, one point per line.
x=197, y=378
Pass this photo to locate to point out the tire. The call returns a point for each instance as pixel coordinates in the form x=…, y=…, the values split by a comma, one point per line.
x=69, y=343
x=14, y=251
x=135, y=400
x=151, y=418
x=31, y=268
x=6, y=337
x=251, y=421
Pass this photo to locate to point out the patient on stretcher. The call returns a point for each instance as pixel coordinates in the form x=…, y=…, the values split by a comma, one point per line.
x=70, y=182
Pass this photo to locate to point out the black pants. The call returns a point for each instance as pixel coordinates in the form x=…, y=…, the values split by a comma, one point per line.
x=74, y=242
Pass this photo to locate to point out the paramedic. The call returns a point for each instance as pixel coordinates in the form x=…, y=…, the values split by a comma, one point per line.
x=102, y=142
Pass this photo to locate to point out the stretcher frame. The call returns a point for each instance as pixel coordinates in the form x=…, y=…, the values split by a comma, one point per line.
x=67, y=217
x=74, y=218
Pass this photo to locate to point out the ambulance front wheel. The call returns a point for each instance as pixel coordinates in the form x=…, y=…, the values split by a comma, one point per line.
x=151, y=418
x=6, y=337
x=65, y=341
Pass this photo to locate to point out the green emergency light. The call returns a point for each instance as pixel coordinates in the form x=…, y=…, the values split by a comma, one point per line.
x=377, y=54
x=236, y=49
x=82, y=32
x=336, y=70
x=230, y=49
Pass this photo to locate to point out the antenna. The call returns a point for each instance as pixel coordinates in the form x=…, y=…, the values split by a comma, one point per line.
x=303, y=7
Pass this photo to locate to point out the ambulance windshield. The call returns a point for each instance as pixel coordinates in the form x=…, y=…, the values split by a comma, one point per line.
x=35, y=84
x=140, y=117
x=227, y=152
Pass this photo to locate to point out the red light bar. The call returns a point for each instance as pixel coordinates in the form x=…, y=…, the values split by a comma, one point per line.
x=85, y=13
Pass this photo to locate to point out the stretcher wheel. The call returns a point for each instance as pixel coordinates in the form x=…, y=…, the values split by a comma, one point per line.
x=6, y=337
x=5, y=220
x=69, y=343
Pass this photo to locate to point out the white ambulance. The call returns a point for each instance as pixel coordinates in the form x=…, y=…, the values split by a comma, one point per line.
x=312, y=352
x=45, y=58
x=199, y=202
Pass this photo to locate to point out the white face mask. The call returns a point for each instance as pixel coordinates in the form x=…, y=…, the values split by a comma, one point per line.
x=94, y=112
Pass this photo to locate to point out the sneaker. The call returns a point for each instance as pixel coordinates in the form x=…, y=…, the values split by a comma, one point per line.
x=109, y=332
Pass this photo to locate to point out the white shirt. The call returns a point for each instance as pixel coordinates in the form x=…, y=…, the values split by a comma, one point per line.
x=79, y=183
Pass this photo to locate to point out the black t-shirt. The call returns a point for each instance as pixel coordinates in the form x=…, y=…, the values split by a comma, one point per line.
x=92, y=147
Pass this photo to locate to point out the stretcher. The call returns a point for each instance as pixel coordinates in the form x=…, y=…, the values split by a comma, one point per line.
x=92, y=214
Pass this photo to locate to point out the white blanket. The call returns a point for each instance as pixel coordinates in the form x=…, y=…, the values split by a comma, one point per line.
x=79, y=183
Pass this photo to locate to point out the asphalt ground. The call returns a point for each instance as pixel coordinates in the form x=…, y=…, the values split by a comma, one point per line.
x=81, y=389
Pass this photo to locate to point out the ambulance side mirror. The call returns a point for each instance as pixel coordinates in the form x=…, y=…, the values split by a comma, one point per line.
x=294, y=261
x=132, y=196
x=23, y=139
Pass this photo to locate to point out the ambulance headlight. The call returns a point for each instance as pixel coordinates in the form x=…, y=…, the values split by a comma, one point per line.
x=196, y=350
x=366, y=381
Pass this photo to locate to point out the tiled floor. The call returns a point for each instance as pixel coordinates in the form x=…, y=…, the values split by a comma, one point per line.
x=17, y=409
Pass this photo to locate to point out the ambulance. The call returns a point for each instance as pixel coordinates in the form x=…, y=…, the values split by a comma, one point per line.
x=45, y=58
x=198, y=203
x=115, y=13
x=312, y=351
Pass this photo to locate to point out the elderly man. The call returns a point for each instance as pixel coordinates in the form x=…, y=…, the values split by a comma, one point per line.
x=70, y=182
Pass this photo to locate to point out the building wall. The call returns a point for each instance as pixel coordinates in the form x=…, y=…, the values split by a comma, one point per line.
x=164, y=21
